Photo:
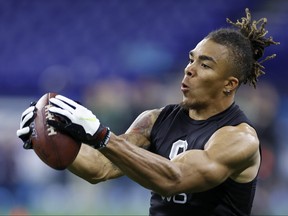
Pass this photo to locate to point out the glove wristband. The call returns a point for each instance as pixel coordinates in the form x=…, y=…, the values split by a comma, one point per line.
x=102, y=137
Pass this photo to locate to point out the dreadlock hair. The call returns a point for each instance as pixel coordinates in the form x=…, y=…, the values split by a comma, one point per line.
x=247, y=42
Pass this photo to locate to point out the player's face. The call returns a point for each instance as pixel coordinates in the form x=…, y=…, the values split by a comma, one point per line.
x=205, y=75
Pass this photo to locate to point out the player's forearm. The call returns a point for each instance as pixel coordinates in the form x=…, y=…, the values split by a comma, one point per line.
x=149, y=170
x=93, y=166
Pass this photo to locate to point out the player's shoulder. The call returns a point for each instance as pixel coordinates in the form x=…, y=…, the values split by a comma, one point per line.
x=151, y=114
x=243, y=134
x=242, y=129
x=162, y=112
x=144, y=122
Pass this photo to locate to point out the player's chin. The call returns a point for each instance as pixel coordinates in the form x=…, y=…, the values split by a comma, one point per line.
x=188, y=104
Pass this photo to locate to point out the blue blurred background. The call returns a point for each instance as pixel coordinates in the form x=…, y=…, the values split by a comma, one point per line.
x=119, y=58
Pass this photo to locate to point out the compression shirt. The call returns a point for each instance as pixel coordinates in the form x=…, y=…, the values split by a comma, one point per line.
x=174, y=132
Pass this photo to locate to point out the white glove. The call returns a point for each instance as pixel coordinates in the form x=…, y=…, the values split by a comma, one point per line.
x=25, y=131
x=79, y=122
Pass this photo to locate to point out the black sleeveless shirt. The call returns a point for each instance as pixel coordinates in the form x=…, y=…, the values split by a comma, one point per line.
x=174, y=132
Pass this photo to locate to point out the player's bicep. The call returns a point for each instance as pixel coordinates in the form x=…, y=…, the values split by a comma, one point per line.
x=229, y=151
x=234, y=147
x=199, y=172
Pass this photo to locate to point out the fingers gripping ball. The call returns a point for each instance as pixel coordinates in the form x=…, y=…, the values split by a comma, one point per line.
x=79, y=122
x=55, y=149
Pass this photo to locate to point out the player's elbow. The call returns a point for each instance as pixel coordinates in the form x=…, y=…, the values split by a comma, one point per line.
x=93, y=181
x=107, y=176
x=169, y=187
x=167, y=190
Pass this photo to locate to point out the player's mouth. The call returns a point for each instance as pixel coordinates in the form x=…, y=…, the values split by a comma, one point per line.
x=184, y=88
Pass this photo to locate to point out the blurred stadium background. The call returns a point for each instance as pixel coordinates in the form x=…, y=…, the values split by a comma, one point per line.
x=120, y=57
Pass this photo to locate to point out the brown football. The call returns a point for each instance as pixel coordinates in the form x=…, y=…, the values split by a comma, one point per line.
x=55, y=149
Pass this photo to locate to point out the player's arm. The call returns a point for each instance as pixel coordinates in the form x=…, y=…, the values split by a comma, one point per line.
x=82, y=124
x=91, y=165
x=232, y=152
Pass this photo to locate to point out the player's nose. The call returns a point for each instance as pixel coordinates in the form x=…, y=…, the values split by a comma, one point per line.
x=189, y=71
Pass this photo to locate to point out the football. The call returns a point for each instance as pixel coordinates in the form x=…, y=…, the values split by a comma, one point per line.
x=56, y=149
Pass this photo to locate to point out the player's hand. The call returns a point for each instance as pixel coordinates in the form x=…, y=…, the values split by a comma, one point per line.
x=78, y=122
x=24, y=132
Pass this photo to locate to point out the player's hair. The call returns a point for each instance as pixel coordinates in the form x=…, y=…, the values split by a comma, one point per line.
x=247, y=43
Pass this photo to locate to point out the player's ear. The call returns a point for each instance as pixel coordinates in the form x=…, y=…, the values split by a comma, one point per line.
x=231, y=84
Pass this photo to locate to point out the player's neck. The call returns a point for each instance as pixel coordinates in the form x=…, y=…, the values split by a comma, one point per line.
x=209, y=111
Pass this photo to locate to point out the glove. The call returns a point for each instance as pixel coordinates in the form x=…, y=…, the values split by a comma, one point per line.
x=24, y=132
x=78, y=122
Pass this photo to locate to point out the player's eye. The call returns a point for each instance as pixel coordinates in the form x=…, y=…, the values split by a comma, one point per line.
x=205, y=66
